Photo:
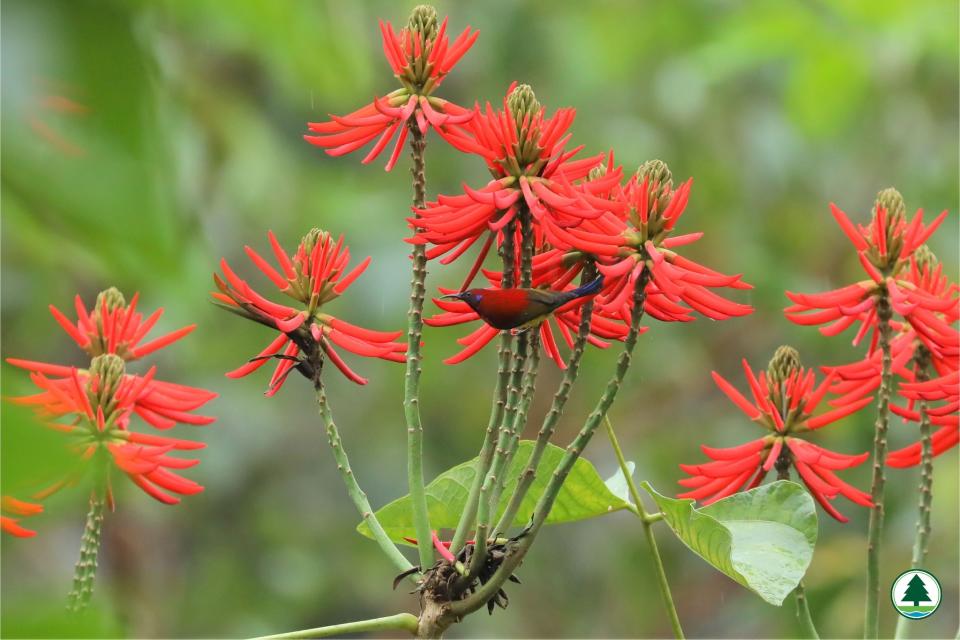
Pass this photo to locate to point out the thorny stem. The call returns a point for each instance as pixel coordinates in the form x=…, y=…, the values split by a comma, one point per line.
x=481, y=507
x=400, y=621
x=486, y=452
x=648, y=533
x=86, y=569
x=523, y=381
x=922, y=540
x=519, y=423
x=411, y=388
x=353, y=488
x=520, y=548
x=529, y=473
x=871, y=627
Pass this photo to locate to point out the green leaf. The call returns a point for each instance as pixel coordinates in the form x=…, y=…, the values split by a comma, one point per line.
x=617, y=483
x=584, y=495
x=762, y=538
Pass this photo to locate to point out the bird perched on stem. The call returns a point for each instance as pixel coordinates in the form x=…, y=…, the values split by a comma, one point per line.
x=521, y=308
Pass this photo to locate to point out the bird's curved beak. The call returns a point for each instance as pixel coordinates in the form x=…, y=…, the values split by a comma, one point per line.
x=452, y=296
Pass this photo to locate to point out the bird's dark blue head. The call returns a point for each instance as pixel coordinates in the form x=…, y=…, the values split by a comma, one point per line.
x=471, y=296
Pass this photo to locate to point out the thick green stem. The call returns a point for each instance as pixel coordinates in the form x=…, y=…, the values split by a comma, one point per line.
x=803, y=613
x=872, y=618
x=86, y=569
x=519, y=424
x=493, y=483
x=485, y=459
x=523, y=381
x=647, y=524
x=353, y=488
x=486, y=452
x=491, y=438
x=520, y=548
x=411, y=388
x=401, y=621
x=922, y=540
x=529, y=474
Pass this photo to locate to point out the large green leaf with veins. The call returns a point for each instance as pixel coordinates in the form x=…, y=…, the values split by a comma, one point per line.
x=762, y=538
x=583, y=495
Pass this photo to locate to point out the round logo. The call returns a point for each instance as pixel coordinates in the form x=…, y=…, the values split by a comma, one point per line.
x=915, y=594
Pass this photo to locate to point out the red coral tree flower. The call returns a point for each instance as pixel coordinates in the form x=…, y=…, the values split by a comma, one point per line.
x=161, y=404
x=910, y=347
x=98, y=405
x=313, y=276
x=637, y=236
x=526, y=154
x=10, y=524
x=885, y=249
x=945, y=417
x=784, y=400
x=115, y=327
x=421, y=55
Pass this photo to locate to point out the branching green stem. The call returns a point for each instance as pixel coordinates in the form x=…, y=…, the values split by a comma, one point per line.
x=922, y=539
x=411, y=389
x=871, y=627
x=647, y=522
x=477, y=496
x=803, y=613
x=520, y=548
x=353, y=488
x=86, y=569
x=523, y=381
x=401, y=622
x=489, y=441
x=529, y=473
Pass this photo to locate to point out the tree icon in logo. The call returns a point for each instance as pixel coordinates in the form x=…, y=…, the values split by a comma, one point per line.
x=916, y=591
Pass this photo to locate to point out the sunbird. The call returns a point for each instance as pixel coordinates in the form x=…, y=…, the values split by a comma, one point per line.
x=521, y=308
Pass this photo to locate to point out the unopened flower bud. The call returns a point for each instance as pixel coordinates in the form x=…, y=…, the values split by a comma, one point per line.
x=311, y=239
x=925, y=258
x=423, y=20
x=597, y=172
x=522, y=103
x=659, y=181
x=887, y=241
x=785, y=362
x=108, y=370
x=109, y=299
x=891, y=200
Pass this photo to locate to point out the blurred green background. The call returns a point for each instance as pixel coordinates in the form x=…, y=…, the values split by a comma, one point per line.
x=187, y=145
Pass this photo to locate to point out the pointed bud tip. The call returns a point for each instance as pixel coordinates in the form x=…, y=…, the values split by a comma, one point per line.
x=892, y=201
x=110, y=299
x=785, y=362
x=423, y=20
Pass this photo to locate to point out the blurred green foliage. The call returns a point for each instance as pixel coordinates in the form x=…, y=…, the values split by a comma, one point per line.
x=182, y=143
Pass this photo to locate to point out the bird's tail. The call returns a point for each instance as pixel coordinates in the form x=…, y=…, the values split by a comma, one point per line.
x=591, y=288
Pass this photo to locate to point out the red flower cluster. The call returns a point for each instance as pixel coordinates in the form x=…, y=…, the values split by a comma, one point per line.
x=640, y=239
x=93, y=407
x=115, y=327
x=526, y=153
x=313, y=276
x=784, y=401
x=924, y=307
x=421, y=56
x=945, y=417
x=886, y=251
